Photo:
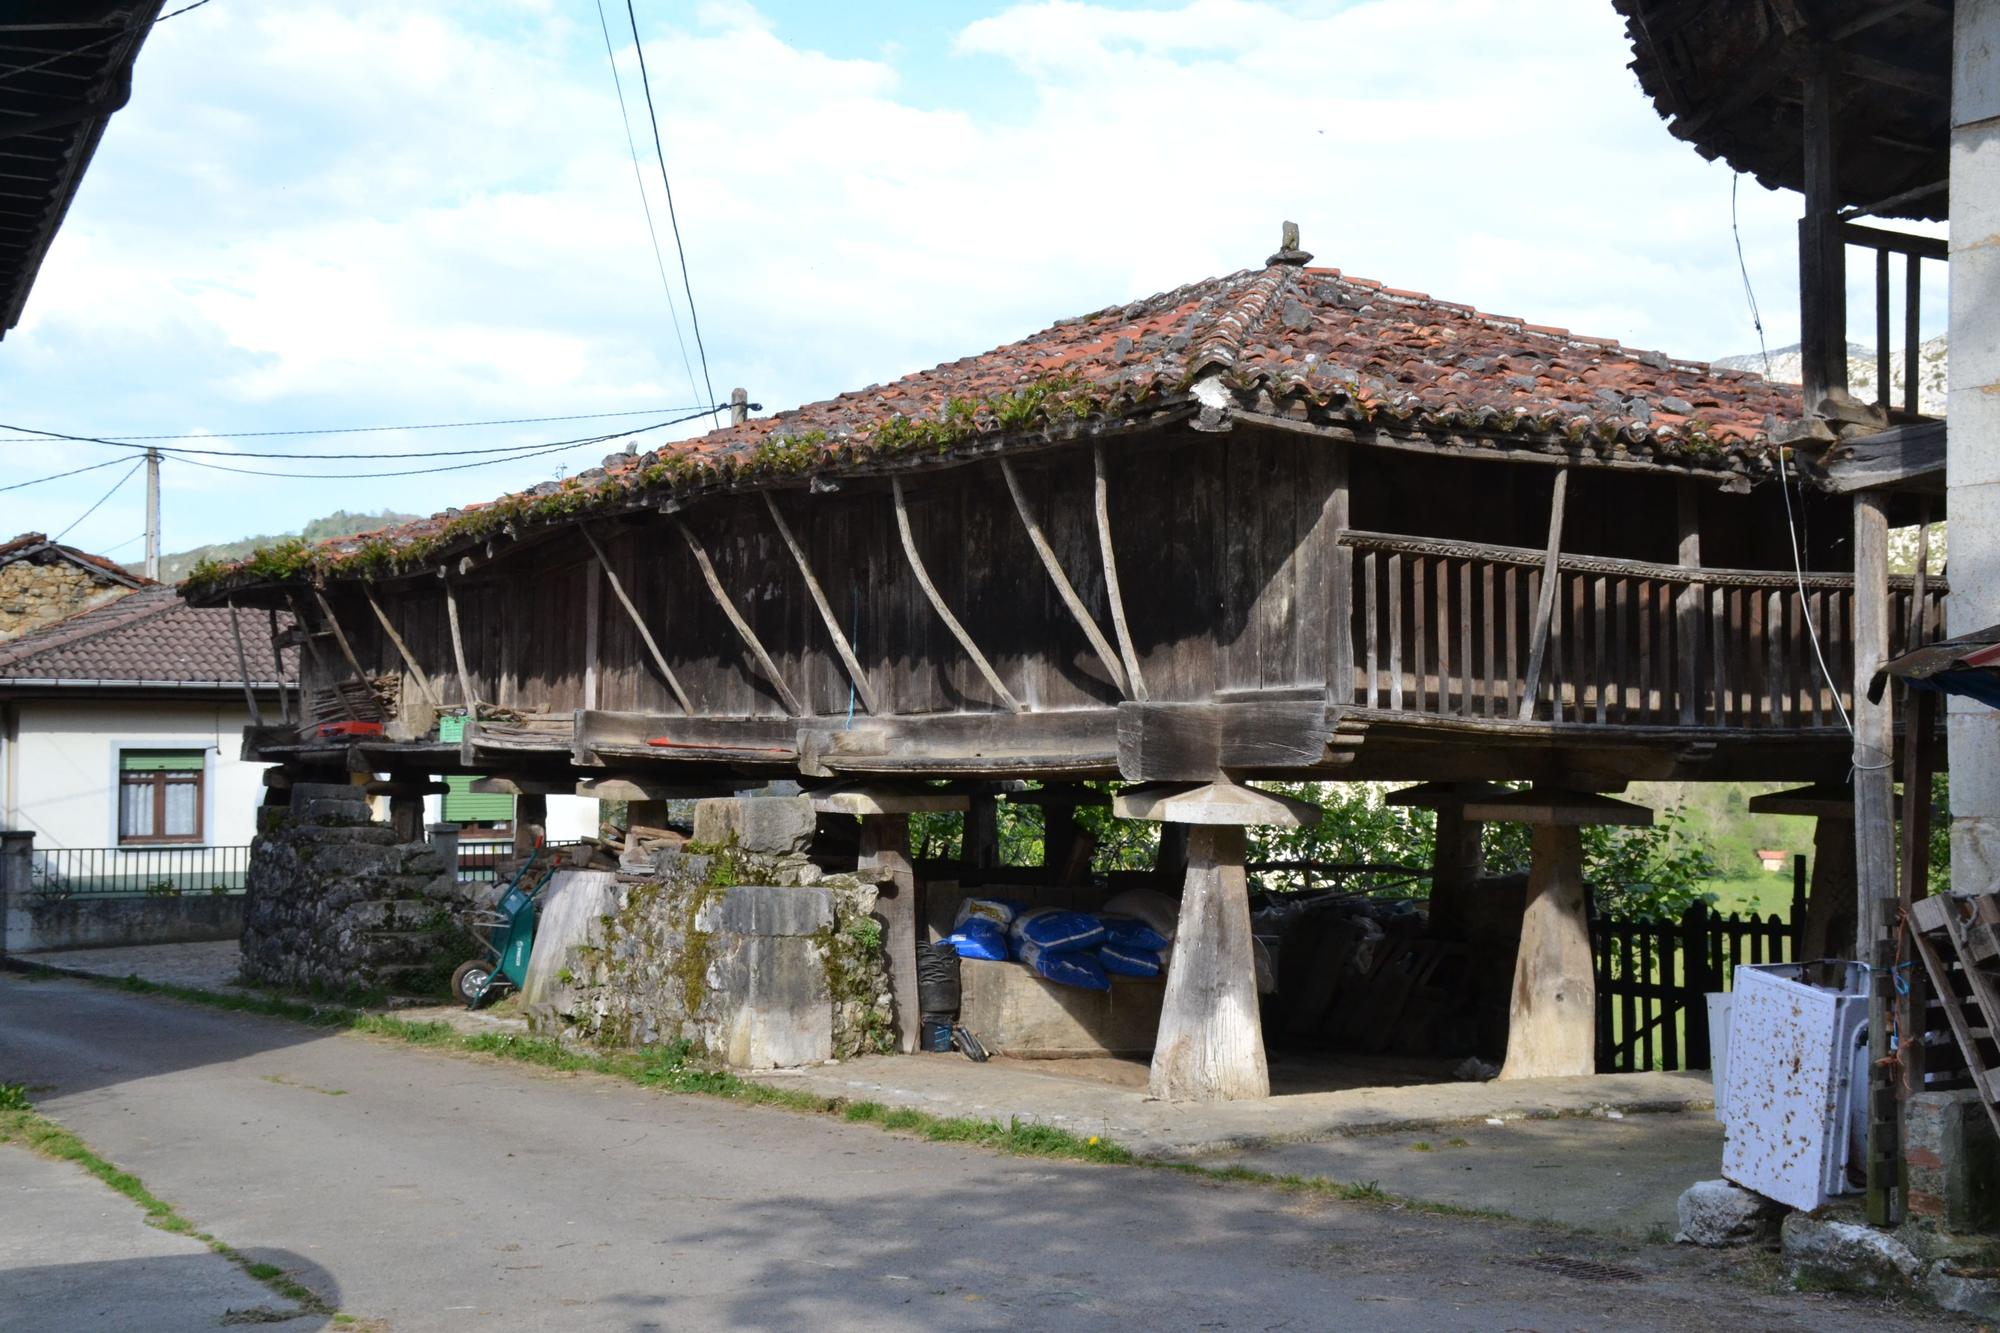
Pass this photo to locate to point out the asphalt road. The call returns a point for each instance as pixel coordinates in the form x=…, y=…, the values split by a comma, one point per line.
x=432, y=1191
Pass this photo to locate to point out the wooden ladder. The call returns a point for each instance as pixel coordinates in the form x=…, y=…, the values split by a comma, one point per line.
x=1959, y=940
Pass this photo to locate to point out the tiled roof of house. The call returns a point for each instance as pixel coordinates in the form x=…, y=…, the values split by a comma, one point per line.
x=36, y=546
x=149, y=636
x=1286, y=342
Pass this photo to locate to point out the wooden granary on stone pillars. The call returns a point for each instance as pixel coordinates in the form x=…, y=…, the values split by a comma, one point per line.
x=1286, y=524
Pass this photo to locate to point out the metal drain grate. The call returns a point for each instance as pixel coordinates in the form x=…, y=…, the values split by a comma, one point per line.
x=1584, y=1270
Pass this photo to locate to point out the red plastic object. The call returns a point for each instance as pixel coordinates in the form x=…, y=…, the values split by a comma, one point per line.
x=333, y=730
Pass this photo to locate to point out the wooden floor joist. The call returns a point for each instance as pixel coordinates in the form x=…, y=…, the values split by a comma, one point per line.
x=938, y=604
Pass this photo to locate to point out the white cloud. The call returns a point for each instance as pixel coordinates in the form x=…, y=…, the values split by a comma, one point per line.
x=363, y=212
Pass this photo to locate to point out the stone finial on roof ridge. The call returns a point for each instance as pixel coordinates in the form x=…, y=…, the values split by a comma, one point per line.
x=1288, y=249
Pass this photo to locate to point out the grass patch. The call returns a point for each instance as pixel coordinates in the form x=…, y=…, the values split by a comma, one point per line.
x=20, y=1123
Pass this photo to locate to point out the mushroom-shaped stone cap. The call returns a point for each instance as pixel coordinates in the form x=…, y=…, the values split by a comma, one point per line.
x=885, y=798
x=1213, y=803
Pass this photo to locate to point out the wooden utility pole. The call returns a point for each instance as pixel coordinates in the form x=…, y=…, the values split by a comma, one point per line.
x=1875, y=839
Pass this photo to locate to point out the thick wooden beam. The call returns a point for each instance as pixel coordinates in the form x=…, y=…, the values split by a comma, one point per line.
x=638, y=623
x=1538, y=650
x=1552, y=1016
x=1161, y=742
x=736, y=620
x=1902, y=458
x=1064, y=589
x=1822, y=252
x=936, y=600
x=402, y=649
x=1336, y=516
x=1210, y=1046
x=1109, y=554
x=593, y=627
x=827, y=618
x=243, y=669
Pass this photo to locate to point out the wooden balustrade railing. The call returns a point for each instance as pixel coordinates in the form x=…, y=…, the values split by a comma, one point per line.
x=1447, y=628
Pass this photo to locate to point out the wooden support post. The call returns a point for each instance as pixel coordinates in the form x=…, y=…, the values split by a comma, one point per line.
x=1338, y=518
x=1919, y=763
x=406, y=817
x=1064, y=589
x=1552, y=1018
x=1875, y=840
x=403, y=650
x=827, y=618
x=531, y=823
x=1545, y=609
x=936, y=600
x=1455, y=870
x=885, y=858
x=1828, y=931
x=1210, y=1045
x=742, y=626
x=243, y=669
x=470, y=699
x=639, y=623
x=979, y=845
x=593, y=627
x=1113, y=596
x=1822, y=252
x=1688, y=618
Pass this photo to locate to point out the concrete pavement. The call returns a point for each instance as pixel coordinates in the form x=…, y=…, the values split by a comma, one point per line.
x=437, y=1192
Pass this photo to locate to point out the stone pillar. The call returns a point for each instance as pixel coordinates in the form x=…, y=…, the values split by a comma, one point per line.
x=1552, y=1014
x=885, y=810
x=444, y=837
x=1972, y=464
x=1210, y=1045
x=17, y=859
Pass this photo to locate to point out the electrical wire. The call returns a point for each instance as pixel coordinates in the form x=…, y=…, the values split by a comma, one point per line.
x=370, y=430
x=508, y=450
x=1749, y=294
x=58, y=476
x=101, y=499
x=639, y=179
x=660, y=151
x=533, y=452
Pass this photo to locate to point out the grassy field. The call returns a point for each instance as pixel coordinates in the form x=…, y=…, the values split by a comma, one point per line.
x=1719, y=812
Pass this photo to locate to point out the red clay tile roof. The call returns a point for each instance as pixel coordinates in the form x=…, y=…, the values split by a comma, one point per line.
x=149, y=636
x=30, y=545
x=1284, y=341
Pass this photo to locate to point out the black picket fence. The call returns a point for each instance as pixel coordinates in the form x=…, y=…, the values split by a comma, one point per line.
x=1654, y=977
x=131, y=872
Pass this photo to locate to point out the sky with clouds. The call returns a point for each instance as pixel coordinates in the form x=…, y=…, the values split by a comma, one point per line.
x=371, y=212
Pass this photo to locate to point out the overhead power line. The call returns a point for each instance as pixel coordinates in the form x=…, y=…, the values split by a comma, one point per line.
x=639, y=179
x=660, y=151
x=58, y=476
x=507, y=450
x=133, y=472
x=370, y=430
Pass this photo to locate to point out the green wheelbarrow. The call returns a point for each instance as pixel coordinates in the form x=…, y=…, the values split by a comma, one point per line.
x=509, y=932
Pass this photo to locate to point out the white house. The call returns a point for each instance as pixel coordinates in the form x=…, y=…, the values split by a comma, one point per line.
x=120, y=731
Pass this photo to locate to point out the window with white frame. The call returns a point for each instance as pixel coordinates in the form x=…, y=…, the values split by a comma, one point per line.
x=160, y=796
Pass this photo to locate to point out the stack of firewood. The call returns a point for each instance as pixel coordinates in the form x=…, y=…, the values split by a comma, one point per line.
x=632, y=849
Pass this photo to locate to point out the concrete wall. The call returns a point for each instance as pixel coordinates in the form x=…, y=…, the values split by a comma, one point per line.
x=60, y=774
x=92, y=923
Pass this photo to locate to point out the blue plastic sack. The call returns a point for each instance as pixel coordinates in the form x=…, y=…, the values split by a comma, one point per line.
x=1129, y=962
x=978, y=937
x=1054, y=930
x=1129, y=932
x=1066, y=969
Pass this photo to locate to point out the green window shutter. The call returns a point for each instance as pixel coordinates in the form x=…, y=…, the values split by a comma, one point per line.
x=462, y=805
x=160, y=761
x=451, y=728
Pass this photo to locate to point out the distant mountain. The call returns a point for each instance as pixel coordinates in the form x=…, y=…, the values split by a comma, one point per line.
x=340, y=523
x=1785, y=367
